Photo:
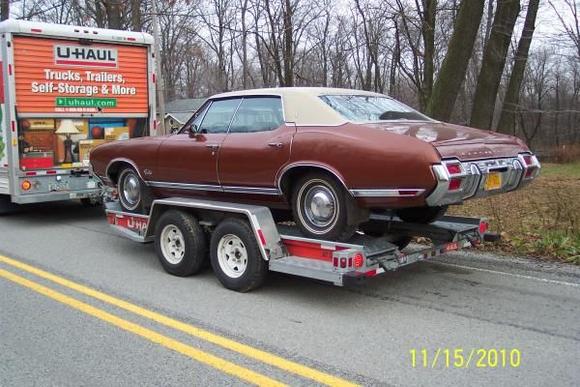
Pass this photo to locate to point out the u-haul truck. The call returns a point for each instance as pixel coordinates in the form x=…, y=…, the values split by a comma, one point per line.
x=63, y=91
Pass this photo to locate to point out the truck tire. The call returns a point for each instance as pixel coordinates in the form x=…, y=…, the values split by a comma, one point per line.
x=376, y=228
x=235, y=256
x=421, y=214
x=134, y=195
x=322, y=208
x=6, y=205
x=180, y=243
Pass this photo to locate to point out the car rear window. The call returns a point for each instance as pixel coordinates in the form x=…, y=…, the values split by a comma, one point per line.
x=366, y=108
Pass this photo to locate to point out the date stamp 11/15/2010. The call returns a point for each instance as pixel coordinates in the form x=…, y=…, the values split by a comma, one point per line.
x=464, y=359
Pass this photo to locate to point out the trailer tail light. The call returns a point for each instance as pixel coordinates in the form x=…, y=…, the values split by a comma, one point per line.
x=454, y=184
x=262, y=237
x=483, y=227
x=35, y=30
x=26, y=185
x=358, y=260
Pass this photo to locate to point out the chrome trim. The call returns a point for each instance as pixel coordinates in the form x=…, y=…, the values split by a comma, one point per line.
x=252, y=190
x=387, y=193
x=122, y=159
x=215, y=188
x=184, y=186
x=289, y=167
x=474, y=174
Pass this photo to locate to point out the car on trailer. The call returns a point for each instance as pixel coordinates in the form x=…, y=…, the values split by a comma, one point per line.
x=326, y=158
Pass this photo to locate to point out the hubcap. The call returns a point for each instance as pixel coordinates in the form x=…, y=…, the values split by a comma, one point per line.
x=320, y=206
x=232, y=256
x=131, y=190
x=172, y=244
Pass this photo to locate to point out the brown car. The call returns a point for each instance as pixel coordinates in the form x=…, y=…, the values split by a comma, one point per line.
x=330, y=155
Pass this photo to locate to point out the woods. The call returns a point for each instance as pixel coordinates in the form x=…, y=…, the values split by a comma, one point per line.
x=474, y=62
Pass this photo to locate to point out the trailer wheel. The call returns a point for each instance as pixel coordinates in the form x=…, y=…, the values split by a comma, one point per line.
x=134, y=195
x=180, y=243
x=235, y=256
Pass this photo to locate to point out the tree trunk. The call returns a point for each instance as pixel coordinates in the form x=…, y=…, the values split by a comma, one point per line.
x=454, y=65
x=288, y=45
x=511, y=101
x=113, y=9
x=136, y=22
x=4, y=9
x=428, y=32
x=493, y=63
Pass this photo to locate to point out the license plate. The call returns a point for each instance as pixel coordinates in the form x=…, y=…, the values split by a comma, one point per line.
x=493, y=181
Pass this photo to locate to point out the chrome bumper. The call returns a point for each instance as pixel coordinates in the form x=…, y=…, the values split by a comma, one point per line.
x=458, y=181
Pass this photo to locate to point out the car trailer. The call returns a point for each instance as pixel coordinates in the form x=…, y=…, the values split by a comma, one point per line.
x=245, y=242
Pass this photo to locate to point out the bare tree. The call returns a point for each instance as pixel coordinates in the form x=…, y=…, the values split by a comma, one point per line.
x=510, y=104
x=454, y=67
x=570, y=24
x=493, y=63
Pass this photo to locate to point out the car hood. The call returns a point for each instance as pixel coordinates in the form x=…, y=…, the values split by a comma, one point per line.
x=458, y=141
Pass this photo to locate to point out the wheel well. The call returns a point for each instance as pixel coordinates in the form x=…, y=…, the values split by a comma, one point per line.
x=114, y=169
x=292, y=174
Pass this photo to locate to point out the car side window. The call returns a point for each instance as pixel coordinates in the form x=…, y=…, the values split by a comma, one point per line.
x=193, y=123
x=219, y=115
x=258, y=114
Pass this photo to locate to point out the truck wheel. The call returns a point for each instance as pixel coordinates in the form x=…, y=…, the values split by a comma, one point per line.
x=6, y=205
x=235, y=256
x=134, y=195
x=321, y=208
x=376, y=228
x=421, y=214
x=180, y=243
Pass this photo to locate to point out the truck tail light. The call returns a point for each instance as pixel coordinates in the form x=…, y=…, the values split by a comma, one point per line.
x=26, y=185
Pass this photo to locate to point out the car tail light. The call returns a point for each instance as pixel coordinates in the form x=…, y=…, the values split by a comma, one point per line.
x=454, y=184
x=454, y=169
x=528, y=160
x=358, y=260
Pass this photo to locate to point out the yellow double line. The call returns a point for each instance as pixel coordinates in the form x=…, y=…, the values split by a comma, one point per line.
x=196, y=354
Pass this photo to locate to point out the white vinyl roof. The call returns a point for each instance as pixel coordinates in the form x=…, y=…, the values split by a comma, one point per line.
x=302, y=105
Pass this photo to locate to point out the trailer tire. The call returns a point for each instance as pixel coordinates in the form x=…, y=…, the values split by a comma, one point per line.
x=134, y=195
x=180, y=243
x=235, y=256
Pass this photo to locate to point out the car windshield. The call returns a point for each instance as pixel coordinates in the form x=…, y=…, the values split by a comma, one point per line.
x=368, y=108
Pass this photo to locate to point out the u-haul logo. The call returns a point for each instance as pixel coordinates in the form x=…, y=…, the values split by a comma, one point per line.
x=85, y=56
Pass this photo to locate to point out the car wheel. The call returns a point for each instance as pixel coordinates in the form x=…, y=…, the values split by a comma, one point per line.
x=235, y=256
x=322, y=208
x=421, y=214
x=180, y=243
x=376, y=228
x=133, y=193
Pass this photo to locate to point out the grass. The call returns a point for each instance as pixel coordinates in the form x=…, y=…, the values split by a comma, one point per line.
x=541, y=220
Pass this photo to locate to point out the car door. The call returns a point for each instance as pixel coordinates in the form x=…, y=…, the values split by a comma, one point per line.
x=256, y=147
x=188, y=160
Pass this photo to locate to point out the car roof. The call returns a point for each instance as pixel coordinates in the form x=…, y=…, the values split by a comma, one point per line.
x=302, y=105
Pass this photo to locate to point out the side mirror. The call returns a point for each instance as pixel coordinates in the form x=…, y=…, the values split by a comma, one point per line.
x=192, y=130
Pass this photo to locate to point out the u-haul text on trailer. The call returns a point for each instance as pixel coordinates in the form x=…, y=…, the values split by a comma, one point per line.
x=63, y=91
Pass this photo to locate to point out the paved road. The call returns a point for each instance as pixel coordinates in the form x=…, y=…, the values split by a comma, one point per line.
x=81, y=305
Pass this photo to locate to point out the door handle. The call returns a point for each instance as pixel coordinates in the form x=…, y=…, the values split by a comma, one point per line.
x=275, y=144
x=213, y=147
